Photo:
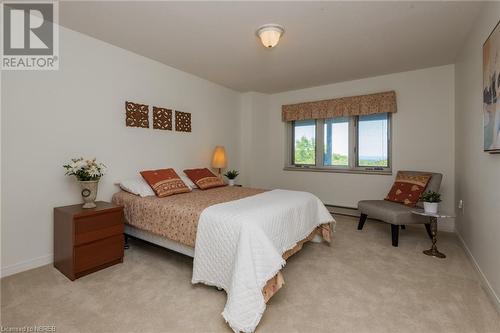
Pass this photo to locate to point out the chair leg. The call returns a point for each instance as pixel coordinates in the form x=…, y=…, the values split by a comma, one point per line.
x=362, y=220
x=395, y=234
x=403, y=227
x=428, y=229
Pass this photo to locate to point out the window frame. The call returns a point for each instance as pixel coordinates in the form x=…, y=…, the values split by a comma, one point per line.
x=292, y=146
x=353, y=158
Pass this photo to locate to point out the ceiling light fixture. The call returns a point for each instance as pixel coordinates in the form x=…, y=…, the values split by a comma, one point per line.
x=270, y=34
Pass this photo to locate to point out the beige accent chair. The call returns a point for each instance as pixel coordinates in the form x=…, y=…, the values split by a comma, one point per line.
x=396, y=214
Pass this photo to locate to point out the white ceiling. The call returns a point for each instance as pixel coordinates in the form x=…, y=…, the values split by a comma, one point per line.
x=324, y=42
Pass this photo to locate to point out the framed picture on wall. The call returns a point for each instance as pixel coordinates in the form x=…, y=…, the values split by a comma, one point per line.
x=491, y=91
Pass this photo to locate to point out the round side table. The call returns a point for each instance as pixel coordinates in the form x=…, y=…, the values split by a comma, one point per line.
x=433, y=218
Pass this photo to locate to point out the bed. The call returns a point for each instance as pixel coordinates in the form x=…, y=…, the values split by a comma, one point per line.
x=239, y=238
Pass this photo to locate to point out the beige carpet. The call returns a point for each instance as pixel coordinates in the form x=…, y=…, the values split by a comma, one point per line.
x=360, y=284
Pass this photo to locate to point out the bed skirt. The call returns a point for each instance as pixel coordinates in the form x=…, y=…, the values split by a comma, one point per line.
x=272, y=286
x=324, y=232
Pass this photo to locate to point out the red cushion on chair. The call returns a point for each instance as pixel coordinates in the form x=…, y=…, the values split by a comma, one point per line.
x=204, y=178
x=164, y=182
x=407, y=188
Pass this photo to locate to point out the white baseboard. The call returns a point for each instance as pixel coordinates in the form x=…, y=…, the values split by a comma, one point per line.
x=484, y=281
x=447, y=225
x=26, y=265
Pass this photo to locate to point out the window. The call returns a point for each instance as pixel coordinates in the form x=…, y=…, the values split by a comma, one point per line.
x=373, y=141
x=336, y=144
x=352, y=144
x=304, y=149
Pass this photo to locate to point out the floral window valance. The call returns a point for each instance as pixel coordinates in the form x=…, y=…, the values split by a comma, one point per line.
x=341, y=107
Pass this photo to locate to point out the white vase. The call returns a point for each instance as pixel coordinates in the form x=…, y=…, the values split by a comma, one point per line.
x=231, y=182
x=431, y=207
x=89, y=192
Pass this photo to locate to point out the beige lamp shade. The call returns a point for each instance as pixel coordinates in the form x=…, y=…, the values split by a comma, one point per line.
x=219, y=159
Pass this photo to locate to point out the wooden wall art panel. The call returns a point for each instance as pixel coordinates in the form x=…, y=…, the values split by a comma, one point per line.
x=137, y=115
x=162, y=118
x=182, y=121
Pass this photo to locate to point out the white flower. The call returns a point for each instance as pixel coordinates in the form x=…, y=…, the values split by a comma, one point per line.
x=85, y=168
x=93, y=172
x=103, y=168
x=78, y=165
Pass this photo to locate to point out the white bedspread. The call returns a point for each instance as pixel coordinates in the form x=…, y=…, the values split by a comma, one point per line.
x=239, y=245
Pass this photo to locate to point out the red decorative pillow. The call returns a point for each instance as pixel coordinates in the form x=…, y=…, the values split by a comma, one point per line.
x=407, y=188
x=164, y=182
x=204, y=178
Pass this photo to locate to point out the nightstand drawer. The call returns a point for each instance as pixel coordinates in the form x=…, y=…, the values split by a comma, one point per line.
x=96, y=222
x=94, y=235
x=98, y=253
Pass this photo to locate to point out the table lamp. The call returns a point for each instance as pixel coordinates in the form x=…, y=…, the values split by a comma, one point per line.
x=219, y=160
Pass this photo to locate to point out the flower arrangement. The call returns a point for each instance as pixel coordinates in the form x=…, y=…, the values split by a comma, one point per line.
x=85, y=170
x=232, y=174
x=430, y=196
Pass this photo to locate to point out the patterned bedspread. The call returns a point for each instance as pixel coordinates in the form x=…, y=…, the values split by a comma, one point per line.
x=176, y=217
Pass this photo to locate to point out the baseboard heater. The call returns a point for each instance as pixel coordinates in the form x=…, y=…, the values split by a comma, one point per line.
x=343, y=210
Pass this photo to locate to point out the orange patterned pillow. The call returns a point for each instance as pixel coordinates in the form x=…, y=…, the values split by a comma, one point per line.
x=164, y=182
x=407, y=188
x=204, y=178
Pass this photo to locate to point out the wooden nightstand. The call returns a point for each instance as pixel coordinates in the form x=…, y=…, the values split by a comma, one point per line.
x=87, y=240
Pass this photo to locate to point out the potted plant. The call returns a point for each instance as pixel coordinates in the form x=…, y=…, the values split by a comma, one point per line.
x=431, y=201
x=88, y=173
x=231, y=176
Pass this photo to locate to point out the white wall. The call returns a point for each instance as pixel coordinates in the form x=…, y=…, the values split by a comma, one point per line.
x=423, y=137
x=49, y=117
x=253, y=108
x=477, y=173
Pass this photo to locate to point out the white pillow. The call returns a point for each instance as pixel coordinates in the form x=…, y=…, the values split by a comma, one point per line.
x=137, y=186
x=189, y=183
